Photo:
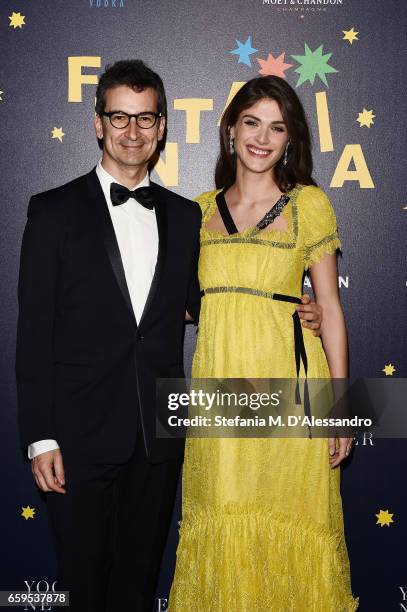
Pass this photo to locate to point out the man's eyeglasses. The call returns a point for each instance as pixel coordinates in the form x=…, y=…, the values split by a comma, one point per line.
x=120, y=119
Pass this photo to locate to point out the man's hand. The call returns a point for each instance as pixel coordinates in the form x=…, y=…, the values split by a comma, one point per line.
x=336, y=455
x=311, y=314
x=48, y=471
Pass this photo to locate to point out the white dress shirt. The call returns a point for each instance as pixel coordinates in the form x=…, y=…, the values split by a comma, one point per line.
x=136, y=232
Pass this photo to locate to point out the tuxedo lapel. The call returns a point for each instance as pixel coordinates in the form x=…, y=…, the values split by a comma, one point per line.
x=160, y=207
x=104, y=226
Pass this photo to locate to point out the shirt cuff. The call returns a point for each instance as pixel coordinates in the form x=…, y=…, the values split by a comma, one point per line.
x=42, y=446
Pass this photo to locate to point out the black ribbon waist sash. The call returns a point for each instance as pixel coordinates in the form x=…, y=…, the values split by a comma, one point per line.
x=299, y=346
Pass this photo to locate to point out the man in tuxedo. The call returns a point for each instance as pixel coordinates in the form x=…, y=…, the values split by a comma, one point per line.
x=108, y=271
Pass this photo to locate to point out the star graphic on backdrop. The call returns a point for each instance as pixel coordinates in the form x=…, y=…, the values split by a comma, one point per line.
x=244, y=50
x=313, y=63
x=27, y=512
x=58, y=133
x=350, y=35
x=16, y=20
x=274, y=65
x=366, y=118
x=389, y=369
x=384, y=518
x=1, y=96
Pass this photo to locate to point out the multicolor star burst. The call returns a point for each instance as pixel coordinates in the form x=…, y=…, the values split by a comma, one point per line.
x=313, y=63
x=274, y=66
x=244, y=50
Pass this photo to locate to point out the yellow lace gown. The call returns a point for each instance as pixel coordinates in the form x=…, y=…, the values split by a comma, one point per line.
x=262, y=525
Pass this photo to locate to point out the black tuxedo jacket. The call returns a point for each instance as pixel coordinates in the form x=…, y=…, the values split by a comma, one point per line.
x=86, y=369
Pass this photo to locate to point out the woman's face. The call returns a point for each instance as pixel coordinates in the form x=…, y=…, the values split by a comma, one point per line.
x=260, y=136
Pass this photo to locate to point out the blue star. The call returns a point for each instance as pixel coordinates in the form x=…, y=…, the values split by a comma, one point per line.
x=243, y=51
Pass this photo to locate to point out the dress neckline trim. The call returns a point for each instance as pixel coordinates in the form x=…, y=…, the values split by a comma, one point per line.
x=265, y=221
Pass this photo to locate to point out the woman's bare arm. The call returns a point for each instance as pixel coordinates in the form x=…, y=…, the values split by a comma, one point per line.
x=324, y=277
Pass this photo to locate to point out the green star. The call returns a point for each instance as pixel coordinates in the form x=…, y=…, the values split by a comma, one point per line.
x=313, y=63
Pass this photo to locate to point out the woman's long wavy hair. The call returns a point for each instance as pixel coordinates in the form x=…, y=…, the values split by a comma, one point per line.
x=299, y=160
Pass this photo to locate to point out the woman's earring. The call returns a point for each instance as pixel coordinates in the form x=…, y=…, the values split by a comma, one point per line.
x=286, y=153
x=231, y=145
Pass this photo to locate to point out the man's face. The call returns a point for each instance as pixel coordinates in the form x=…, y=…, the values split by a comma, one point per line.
x=132, y=146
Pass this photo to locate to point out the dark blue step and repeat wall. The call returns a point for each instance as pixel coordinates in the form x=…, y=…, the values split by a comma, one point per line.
x=345, y=60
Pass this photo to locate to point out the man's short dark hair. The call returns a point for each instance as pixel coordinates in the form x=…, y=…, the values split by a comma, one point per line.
x=136, y=75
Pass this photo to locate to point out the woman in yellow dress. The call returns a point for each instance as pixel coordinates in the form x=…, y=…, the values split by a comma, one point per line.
x=262, y=525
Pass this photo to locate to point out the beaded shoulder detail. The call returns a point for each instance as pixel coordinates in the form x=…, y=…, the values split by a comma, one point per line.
x=273, y=213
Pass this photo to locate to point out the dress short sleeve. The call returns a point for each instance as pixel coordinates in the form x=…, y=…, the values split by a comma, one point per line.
x=206, y=201
x=318, y=231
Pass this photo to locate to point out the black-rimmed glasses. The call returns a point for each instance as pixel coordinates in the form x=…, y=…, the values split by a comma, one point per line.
x=120, y=119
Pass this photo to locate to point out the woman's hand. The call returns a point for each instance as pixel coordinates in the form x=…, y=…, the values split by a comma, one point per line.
x=310, y=313
x=336, y=455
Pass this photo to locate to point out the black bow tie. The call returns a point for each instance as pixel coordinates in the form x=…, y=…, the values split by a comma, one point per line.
x=120, y=195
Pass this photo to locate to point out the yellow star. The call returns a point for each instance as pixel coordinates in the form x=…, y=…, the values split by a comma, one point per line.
x=384, y=518
x=366, y=118
x=350, y=35
x=58, y=133
x=27, y=512
x=389, y=369
x=16, y=20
